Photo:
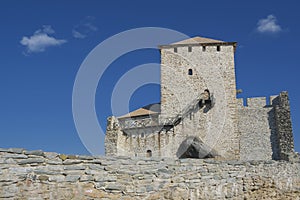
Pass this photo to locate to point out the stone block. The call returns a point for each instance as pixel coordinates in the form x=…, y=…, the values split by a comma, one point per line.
x=31, y=161
x=256, y=102
x=72, y=178
x=35, y=152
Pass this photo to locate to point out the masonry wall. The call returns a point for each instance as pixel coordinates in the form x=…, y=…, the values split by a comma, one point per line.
x=265, y=127
x=43, y=175
x=213, y=70
x=257, y=129
x=283, y=125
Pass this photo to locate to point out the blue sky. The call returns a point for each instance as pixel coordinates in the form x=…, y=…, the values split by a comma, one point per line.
x=43, y=44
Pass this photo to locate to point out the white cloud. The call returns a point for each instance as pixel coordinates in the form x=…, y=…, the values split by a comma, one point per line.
x=46, y=29
x=84, y=28
x=41, y=40
x=78, y=35
x=268, y=25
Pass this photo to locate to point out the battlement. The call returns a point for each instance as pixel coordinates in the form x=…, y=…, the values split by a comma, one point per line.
x=258, y=102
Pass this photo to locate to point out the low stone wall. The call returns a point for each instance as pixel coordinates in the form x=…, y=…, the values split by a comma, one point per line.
x=41, y=175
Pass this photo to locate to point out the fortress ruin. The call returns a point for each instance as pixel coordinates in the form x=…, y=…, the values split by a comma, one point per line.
x=199, y=115
x=247, y=150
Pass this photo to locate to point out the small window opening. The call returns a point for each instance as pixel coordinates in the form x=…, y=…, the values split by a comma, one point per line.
x=175, y=49
x=218, y=48
x=203, y=48
x=190, y=49
x=149, y=153
x=143, y=135
x=190, y=72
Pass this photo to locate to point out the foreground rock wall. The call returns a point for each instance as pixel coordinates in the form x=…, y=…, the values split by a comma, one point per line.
x=41, y=175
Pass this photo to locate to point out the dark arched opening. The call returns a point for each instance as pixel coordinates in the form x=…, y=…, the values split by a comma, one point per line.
x=193, y=147
x=149, y=153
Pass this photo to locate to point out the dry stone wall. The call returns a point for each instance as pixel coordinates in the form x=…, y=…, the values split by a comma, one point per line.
x=43, y=175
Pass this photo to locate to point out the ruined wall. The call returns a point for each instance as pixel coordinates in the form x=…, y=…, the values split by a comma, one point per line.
x=42, y=175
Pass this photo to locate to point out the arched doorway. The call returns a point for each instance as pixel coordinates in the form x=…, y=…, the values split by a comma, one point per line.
x=149, y=153
x=193, y=147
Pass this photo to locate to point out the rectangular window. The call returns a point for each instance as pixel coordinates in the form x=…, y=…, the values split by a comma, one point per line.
x=218, y=48
x=190, y=49
x=203, y=48
x=175, y=49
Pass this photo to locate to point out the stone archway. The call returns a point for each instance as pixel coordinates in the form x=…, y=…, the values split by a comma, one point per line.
x=193, y=147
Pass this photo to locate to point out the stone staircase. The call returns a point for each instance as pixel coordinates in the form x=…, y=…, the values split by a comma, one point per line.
x=200, y=101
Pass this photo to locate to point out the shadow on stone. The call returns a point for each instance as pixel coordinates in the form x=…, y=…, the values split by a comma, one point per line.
x=193, y=147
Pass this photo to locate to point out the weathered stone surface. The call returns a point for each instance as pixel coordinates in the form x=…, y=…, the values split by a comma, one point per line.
x=72, y=178
x=50, y=155
x=96, y=167
x=43, y=178
x=107, y=178
x=57, y=178
x=20, y=170
x=16, y=150
x=74, y=167
x=31, y=161
x=34, y=152
x=63, y=157
x=3, y=150
x=83, y=157
x=115, y=186
x=15, y=156
x=12, y=150
x=71, y=162
x=150, y=179
x=10, y=161
x=86, y=178
x=55, y=161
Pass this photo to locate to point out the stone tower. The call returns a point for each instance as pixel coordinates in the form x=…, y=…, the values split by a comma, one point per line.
x=187, y=69
x=199, y=115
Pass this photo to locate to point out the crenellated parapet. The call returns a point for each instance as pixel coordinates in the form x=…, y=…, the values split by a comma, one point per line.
x=257, y=102
x=266, y=128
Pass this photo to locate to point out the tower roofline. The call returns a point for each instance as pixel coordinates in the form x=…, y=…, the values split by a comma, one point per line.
x=197, y=41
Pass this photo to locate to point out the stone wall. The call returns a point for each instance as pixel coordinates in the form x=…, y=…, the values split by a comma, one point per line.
x=257, y=129
x=284, y=126
x=43, y=175
x=265, y=128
